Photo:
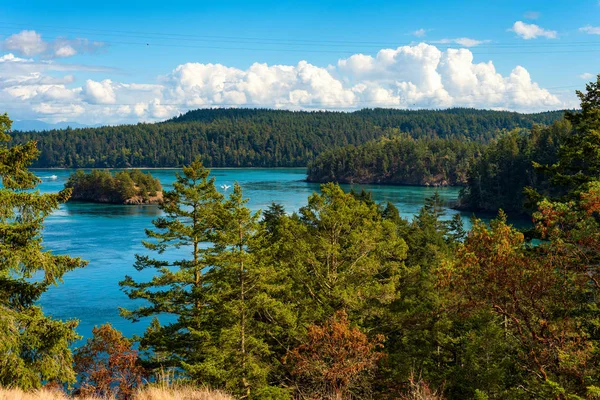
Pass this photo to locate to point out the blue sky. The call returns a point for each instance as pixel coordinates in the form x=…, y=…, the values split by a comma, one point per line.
x=113, y=62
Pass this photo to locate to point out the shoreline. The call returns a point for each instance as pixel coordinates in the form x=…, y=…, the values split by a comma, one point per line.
x=153, y=168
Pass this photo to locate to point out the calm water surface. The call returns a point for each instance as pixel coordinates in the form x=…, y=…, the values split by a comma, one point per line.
x=109, y=236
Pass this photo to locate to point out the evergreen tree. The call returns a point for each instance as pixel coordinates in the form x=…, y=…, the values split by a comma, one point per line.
x=272, y=220
x=192, y=216
x=239, y=293
x=33, y=347
x=579, y=151
x=341, y=255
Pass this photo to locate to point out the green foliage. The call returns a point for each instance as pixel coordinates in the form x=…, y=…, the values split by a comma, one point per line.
x=341, y=255
x=260, y=138
x=219, y=295
x=104, y=187
x=498, y=178
x=191, y=215
x=579, y=152
x=33, y=347
x=399, y=160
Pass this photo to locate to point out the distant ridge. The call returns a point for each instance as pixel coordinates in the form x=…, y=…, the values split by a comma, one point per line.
x=211, y=114
x=37, y=125
x=261, y=137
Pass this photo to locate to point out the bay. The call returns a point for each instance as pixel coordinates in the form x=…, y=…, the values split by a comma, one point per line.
x=109, y=236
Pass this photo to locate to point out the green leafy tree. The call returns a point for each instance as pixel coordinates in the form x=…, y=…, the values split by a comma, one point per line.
x=192, y=216
x=33, y=347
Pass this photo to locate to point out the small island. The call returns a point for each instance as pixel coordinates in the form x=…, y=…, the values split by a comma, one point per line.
x=123, y=187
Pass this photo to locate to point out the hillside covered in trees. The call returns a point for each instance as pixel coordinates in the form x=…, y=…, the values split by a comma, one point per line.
x=495, y=175
x=400, y=160
x=260, y=138
x=501, y=176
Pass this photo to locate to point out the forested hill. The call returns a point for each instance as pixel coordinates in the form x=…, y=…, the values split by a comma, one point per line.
x=260, y=137
x=400, y=160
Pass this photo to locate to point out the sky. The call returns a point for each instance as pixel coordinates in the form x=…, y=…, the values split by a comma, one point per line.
x=120, y=62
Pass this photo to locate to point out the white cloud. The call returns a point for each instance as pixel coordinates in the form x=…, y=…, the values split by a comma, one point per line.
x=531, y=31
x=590, y=30
x=466, y=42
x=11, y=58
x=65, y=51
x=419, y=76
x=587, y=76
x=68, y=110
x=28, y=43
x=419, y=32
x=99, y=92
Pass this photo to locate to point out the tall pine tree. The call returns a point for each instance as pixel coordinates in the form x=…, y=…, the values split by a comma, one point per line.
x=192, y=211
x=241, y=291
x=33, y=347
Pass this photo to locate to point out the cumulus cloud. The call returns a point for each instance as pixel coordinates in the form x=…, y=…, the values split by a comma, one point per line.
x=419, y=32
x=531, y=31
x=590, y=30
x=30, y=43
x=419, y=76
x=99, y=92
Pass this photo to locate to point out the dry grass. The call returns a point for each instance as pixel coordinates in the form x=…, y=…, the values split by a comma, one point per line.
x=183, y=393
x=420, y=390
x=148, y=393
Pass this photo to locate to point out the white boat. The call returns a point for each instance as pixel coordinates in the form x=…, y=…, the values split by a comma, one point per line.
x=53, y=177
x=225, y=187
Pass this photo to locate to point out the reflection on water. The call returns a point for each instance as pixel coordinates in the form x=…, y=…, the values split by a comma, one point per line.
x=109, y=236
x=109, y=210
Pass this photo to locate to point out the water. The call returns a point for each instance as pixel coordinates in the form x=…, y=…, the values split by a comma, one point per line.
x=109, y=236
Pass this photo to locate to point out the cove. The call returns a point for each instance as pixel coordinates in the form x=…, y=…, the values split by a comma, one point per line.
x=109, y=236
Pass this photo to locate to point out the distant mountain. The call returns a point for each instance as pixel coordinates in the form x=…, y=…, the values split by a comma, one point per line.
x=36, y=125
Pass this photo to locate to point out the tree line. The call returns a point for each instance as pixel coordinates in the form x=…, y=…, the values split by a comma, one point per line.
x=495, y=175
x=398, y=160
x=343, y=299
x=257, y=137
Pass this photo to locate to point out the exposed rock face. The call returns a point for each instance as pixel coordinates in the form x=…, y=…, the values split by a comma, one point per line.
x=158, y=199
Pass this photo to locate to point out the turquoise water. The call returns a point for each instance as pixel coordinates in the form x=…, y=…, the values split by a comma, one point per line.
x=109, y=236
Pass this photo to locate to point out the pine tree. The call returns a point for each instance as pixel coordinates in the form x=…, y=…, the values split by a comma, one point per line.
x=341, y=255
x=192, y=211
x=579, y=151
x=33, y=347
x=241, y=292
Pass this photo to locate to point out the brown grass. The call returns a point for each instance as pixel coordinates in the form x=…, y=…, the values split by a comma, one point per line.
x=148, y=393
x=419, y=390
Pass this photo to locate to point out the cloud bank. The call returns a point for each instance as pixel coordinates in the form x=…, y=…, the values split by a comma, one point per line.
x=419, y=76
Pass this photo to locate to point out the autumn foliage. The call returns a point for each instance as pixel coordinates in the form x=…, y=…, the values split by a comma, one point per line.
x=544, y=294
x=108, y=366
x=334, y=358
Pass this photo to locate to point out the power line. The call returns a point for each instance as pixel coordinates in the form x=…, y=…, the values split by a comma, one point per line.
x=477, y=51
x=270, y=41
